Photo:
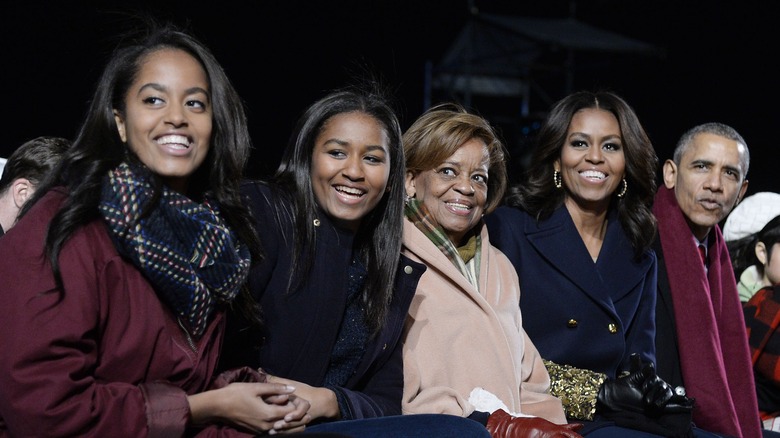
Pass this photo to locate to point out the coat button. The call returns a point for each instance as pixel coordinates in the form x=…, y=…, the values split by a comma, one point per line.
x=408, y=269
x=612, y=327
x=572, y=323
x=316, y=222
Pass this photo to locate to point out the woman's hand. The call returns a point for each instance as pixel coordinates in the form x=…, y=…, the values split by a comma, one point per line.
x=257, y=407
x=323, y=400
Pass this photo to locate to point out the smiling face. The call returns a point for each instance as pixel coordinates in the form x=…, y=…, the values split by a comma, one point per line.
x=708, y=181
x=592, y=162
x=167, y=117
x=350, y=167
x=455, y=191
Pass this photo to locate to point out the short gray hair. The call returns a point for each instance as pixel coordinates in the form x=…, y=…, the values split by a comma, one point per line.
x=715, y=128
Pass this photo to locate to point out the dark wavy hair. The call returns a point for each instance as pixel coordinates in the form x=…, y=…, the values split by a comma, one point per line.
x=98, y=147
x=378, y=239
x=538, y=195
x=743, y=251
x=441, y=131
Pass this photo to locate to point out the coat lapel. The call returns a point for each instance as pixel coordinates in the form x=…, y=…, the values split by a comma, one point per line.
x=430, y=254
x=557, y=240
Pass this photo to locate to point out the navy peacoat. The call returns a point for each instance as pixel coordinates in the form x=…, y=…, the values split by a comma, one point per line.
x=591, y=315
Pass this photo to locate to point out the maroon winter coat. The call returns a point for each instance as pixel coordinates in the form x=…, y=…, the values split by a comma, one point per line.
x=101, y=357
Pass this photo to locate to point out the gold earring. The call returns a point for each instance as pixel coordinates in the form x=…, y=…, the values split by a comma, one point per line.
x=625, y=188
x=557, y=179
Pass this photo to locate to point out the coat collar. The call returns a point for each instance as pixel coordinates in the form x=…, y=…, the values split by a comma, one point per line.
x=424, y=250
x=557, y=240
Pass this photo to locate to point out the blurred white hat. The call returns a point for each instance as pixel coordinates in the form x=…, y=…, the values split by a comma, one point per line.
x=751, y=215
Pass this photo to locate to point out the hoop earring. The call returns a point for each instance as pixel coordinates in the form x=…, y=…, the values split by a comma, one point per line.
x=625, y=188
x=557, y=179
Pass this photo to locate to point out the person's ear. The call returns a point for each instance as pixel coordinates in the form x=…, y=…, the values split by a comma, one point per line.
x=741, y=192
x=670, y=174
x=21, y=189
x=761, y=253
x=410, y=186
x=120, y=125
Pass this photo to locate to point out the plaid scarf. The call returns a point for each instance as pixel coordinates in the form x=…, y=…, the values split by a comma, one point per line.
x=417, y=213
x=762, y=318
x=185, y=250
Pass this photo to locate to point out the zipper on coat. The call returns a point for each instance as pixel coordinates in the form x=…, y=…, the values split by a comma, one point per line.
x=190, y=341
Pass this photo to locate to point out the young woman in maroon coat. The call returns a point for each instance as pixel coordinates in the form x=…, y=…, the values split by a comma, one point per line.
x=115, y=280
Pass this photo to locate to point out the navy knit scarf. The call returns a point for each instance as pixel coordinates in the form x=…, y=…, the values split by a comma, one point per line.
x=184, y=249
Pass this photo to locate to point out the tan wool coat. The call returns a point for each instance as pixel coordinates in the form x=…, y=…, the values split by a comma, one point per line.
x=458, y=338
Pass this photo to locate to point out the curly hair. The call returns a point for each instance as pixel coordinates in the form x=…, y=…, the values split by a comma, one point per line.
x=441, y=131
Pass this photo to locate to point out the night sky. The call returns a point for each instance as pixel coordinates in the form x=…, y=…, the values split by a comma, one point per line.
x=283, y=55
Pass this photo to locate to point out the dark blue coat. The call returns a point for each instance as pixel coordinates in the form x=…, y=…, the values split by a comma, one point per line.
x=300, y=328
x=667, y=346
x=577, y=312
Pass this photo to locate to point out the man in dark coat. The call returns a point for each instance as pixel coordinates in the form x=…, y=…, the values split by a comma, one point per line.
x=701, y=339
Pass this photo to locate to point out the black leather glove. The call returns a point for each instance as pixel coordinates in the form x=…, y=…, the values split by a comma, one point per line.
x=625, y=393
x=643, y=401
x=641, y=391
x=502, y=425
x=661, y=398
x=679, y=404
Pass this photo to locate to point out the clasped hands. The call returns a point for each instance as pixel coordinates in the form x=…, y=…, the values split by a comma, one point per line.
x=255, y=401
x=641, y=391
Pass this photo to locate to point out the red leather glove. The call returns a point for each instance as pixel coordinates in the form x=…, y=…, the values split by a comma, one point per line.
x=502, y=425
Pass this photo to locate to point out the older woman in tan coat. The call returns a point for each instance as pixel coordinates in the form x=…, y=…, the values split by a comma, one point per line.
x=465, y=350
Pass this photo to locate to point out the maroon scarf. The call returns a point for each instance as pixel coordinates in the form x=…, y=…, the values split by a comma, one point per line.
x=714, y=353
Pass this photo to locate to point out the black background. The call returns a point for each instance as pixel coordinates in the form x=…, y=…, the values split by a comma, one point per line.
x=720, y=62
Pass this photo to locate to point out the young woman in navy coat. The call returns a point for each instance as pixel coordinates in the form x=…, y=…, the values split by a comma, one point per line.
x=333, y=289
